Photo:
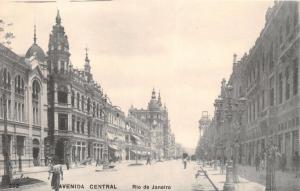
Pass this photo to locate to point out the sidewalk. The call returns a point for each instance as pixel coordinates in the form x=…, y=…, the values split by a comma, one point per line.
x=37, y=169
x=243, y=185
x=285, y=181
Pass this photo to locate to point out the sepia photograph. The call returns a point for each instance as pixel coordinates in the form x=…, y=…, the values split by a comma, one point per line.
x=149, y=95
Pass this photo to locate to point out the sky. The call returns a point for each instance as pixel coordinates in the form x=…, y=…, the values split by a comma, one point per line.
x=181, y=48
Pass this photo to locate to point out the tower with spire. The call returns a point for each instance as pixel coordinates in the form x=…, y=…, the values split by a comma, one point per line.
x=35, y=50
x=87, y=66
x=58, y=48
x=156, y=116
x=159, y=99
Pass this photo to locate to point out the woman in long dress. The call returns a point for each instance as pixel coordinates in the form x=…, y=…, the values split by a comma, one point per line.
x=57, y=174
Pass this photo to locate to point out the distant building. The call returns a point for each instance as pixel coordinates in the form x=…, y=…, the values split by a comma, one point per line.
x=156, y=117
x=138, y=139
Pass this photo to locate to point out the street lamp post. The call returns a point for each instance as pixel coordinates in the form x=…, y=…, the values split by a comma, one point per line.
x=235, y=107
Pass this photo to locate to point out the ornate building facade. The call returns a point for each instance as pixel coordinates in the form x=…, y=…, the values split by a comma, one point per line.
x=23, y=98
x=82, y=122
x=156, y=117
x=267, y=79
x=138, y=138
x=56, y=111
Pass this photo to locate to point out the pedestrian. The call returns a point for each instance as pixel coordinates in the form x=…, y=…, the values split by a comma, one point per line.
x=184, y=160
x=57, y=174
x=222, y=165
x=67, y=163
x=283, y=162
x=296, y=164
x=257, y=162
x=148, y=160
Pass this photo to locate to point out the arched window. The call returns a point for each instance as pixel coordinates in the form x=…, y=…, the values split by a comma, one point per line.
x=82, y=103
x=88, y=105
x=6, y=79
x=35, y=89
x=94, y=109
x=19, y=85
x=35, y=102
x=62, y=95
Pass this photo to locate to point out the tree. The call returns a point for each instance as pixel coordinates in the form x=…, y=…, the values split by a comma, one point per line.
x=6, y=36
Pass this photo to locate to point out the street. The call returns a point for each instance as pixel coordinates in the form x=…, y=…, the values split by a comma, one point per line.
x=168, y=175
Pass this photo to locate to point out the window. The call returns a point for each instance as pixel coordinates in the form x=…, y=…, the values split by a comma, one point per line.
x=9, y=141
x=19, y=85
x=6, y=79
x=271, y=92
x=82, y=127
x=280, y=91
x=22, y=115
x=287, y=84
x=73, y=98
x=73, y=123
x=20, y=145
x=35, y=90
x=89, y=127
x=295, y=77
x=94, y=109
x=78, y=126
x=82, y=103
x=62, y=66
x=62, y=121
x=271, y=62
x=62, y=95
x=88, y=105
x=263, y=100
x=16, y=111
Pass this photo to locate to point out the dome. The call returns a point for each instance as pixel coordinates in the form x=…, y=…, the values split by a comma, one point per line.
x=153, y=105
x=36, y=50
